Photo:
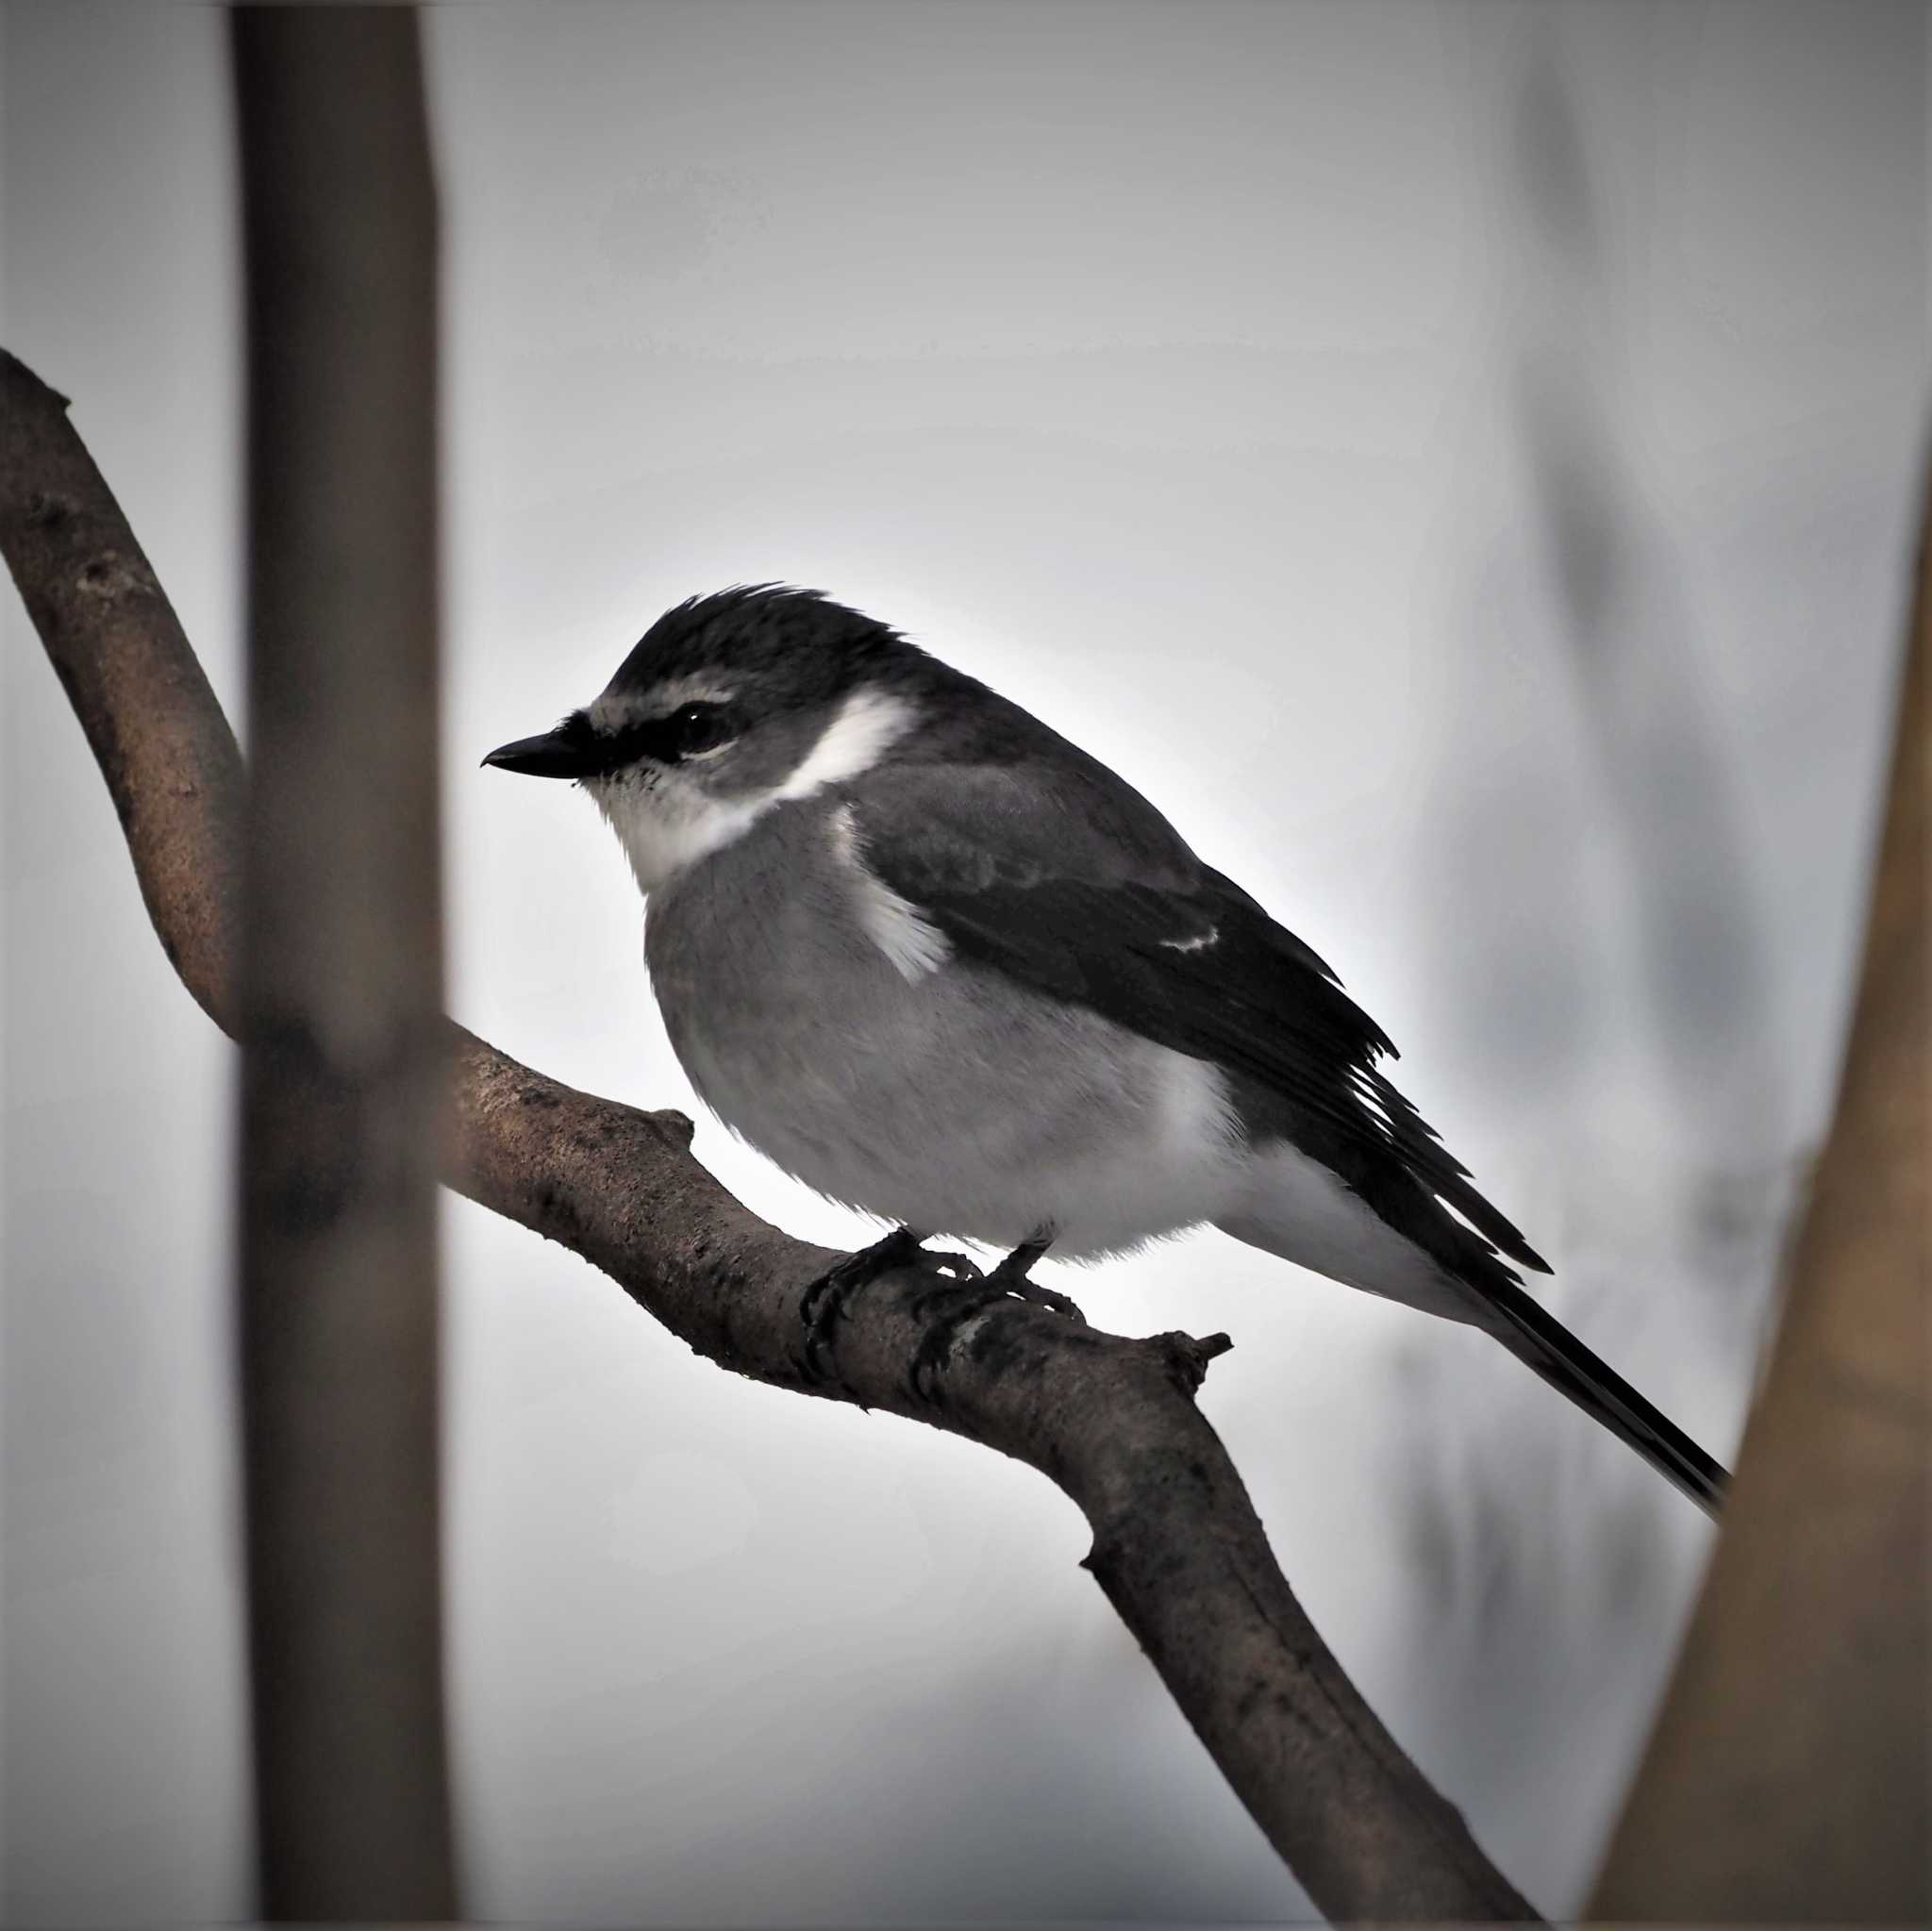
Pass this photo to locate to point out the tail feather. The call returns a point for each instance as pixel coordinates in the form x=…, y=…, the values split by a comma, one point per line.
x=1398, y=1241
x=1542, y=1342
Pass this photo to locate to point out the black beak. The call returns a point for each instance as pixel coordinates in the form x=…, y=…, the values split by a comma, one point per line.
x=565, y=752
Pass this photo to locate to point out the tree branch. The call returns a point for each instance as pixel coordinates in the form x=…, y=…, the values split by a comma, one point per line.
x=1177, y=1546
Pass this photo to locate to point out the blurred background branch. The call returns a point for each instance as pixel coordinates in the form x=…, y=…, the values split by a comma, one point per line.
x=1789, y=1777
x=1627, y=636
x=341, y=1003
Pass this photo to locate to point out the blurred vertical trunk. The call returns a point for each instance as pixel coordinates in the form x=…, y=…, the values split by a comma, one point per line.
x=1789, y=1776
x=342, y=965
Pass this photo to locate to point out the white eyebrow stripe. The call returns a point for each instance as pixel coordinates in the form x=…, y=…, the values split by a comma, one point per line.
x=914, y=945
x=869, y=723
x=608, y=713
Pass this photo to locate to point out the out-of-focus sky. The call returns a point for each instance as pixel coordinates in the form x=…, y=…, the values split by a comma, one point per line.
x=1456, y=458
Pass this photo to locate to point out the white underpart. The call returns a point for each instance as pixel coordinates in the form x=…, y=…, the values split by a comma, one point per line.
x=1295, y=1207
x=907, y=938
x=1176, y=1165
x=666, y=824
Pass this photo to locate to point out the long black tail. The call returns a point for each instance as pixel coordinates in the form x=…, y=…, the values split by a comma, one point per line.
x=1562, y=1360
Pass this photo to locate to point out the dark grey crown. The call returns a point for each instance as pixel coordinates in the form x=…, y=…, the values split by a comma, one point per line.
x=799, y=645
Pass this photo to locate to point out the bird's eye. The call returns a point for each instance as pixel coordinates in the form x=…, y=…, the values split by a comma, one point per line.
x=695, y=728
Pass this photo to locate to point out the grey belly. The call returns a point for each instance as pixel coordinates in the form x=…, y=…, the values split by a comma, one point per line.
x=959, y=1103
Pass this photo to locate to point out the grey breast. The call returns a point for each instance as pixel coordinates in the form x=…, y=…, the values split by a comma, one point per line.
x=954, y=1101
x=765, y=976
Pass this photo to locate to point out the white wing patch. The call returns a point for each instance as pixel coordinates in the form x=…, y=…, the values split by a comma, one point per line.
x=1199, y=942
x=911, y=941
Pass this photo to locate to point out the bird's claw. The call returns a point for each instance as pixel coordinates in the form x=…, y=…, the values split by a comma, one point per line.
x=951, y=1309
x=824, y=1302
x=1013, y=1276
x=958, y=1293
x=1021, y=1288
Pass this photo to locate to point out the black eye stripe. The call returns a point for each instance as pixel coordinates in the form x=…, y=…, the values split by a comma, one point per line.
x=686, y=731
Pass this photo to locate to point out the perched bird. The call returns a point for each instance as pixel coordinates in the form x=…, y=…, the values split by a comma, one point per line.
x=941, y=965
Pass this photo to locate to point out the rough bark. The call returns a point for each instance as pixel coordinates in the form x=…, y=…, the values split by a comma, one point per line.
x=1789, y=1776
x=341, y=969
x=1178, y=1545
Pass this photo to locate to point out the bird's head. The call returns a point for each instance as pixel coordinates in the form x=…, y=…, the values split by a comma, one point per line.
x=729, y=704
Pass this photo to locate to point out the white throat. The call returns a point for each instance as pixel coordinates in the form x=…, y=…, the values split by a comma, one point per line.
x=666, y=824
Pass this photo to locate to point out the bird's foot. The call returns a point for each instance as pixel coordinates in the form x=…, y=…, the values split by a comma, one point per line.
x=824, y=1304
x=1013, y=1276
x=951, y=1311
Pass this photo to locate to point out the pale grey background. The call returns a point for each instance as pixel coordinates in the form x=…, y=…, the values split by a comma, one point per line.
x=1458, y=458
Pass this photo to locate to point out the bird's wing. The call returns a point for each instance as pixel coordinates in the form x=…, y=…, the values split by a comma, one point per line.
x=1079, y=889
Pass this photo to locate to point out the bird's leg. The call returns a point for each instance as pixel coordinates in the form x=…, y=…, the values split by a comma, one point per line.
x=822, y=1306
x=1012, y=1275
